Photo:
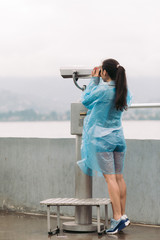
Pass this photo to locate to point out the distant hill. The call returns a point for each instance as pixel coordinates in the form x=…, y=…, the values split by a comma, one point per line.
x=47, y=94
x=11, y=101
x=40, y=94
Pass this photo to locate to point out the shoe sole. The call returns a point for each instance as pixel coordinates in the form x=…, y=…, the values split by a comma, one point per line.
x=127, y=223
x=121, y=227
x=124, y=225
x=111, y=233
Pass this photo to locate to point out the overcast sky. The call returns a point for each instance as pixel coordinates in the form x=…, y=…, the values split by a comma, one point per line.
x=37, y=37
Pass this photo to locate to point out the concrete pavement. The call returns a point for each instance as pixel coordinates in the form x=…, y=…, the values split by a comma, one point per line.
x=15, y=226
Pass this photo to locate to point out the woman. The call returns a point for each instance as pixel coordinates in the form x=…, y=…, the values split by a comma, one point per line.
x=103, y=145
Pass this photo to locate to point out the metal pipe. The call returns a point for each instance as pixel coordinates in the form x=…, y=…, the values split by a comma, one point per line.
x=48, y=219
x=58, y=216
x=98, y=219
x=83, y=189
x=145, y=105
x=106, y=216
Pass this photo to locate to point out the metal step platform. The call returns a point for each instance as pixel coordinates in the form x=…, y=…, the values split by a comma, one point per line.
x=76, y=202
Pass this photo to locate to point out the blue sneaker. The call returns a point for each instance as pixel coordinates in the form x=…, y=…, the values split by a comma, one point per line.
x=116, y=226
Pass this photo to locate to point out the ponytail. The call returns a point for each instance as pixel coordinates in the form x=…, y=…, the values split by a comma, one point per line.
x=121, y=89
x=117, y=73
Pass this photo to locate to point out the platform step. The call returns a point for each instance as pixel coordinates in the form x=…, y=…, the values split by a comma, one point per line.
x=76, y=201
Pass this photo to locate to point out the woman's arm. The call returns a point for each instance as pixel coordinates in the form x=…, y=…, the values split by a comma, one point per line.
x=94, y=81
x=94, y=95
x=92, y=92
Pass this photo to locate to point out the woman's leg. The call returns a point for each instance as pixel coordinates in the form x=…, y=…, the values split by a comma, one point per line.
x=114, y=194
x=122, y=189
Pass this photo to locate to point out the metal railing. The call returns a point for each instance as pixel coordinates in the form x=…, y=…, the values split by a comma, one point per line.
x=145, y=105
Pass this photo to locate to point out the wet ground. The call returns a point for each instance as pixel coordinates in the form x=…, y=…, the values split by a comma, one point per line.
x=30, y=227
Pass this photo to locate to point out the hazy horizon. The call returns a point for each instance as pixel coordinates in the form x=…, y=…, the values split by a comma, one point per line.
x=38, y=37
x=56, y=94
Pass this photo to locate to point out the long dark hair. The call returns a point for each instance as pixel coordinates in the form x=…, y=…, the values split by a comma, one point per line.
x=117, y=72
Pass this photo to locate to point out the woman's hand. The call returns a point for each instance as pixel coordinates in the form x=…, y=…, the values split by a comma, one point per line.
x=95, y=72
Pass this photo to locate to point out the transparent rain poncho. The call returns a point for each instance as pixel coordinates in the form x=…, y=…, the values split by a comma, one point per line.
x=103, y=145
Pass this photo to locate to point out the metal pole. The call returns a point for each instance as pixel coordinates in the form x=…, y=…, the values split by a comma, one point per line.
x=98, y=218
x=83, y=189
x=106, y=216
x=48, y=220
x=145, y=105
x=58, y=216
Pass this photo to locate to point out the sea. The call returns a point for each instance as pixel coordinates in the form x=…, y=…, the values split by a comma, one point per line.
x=141, y=129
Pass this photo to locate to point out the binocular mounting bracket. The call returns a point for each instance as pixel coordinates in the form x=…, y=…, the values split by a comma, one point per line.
x=75, y=79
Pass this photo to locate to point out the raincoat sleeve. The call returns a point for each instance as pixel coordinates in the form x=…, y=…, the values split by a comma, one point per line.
x=92, y=94
x=94, y=81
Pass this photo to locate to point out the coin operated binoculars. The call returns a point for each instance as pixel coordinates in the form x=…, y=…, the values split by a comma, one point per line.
x=83, y=183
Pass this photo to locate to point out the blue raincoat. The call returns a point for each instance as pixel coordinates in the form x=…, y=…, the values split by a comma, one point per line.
x=103, y=145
